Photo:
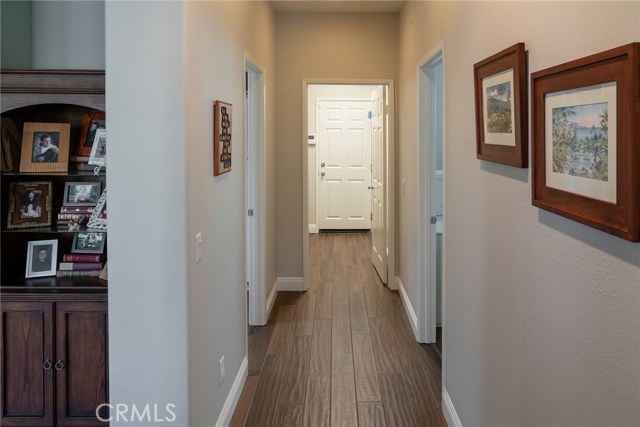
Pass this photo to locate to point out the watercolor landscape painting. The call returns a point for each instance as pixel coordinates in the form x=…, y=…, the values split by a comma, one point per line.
x=580, y=142
x=498, y=107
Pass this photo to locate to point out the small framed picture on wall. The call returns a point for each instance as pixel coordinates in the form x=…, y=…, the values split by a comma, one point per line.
x=221, y=137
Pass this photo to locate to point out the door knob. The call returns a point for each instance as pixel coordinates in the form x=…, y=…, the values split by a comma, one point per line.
x=370, y=188
x=322, y=164
x=47, y=365
x=322, y=173
x=59, y=365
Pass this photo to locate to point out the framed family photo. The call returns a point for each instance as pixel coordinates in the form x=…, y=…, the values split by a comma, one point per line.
x=586, y=129
x=42, y=258
x=91, y=122
x=81, y=193
x=221, y=138
x=500, y=83
x=98, y=155
x=29, y=205
x=88, y=243
x=45, y=147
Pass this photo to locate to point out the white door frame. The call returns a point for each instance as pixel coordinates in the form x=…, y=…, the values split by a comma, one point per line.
x=426, y=331
x=255, y=181
x=390, y=172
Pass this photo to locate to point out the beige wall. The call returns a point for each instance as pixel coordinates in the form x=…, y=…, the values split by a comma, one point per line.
x=322, y=46
x=542, y=314
x=217, y=36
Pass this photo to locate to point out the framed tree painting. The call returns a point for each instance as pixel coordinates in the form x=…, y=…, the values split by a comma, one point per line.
x=501, y=107
x=221, y=138
x=586, y=128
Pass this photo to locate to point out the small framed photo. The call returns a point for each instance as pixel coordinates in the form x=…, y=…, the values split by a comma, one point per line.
x=91, y=122
x=501, y=107
x=81, y=193
x=88, y=243
x=221, y=137
x=29, y=205
x=98, y=155
x=586, y=130
x=45, y=147
x=42, y=258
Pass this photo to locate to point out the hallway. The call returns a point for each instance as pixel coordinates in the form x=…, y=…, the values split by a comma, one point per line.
x=340, y=354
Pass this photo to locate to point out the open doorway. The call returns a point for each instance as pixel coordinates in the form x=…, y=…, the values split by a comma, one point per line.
x=255, y=192
x=363, y=202
x=431, y=196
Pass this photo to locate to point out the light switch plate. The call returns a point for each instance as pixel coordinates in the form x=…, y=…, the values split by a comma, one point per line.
x=198, y=248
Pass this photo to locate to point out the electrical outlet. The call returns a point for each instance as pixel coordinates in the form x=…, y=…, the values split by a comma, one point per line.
x=198, y=248
x=221, y=370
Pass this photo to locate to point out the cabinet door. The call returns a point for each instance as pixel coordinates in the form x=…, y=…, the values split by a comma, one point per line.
x=26, y=358
x=81, y=356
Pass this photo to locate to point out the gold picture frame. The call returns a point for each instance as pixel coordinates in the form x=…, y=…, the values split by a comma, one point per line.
x=45, y=147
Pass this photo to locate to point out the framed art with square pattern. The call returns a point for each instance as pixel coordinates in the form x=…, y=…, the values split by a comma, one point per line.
x=221, y=137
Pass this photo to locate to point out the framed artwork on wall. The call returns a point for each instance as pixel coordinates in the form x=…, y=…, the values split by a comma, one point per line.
x=45, y=147
x=586, y=128
x=29, y=205
x=221, y=137
x=500, y=83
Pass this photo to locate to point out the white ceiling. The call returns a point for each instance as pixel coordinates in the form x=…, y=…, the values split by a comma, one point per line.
x=344, y=6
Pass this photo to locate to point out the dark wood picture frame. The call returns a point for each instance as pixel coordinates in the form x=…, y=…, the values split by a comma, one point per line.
x=509, y=143
x=606, y=193
x=59, y=136
x=19, y=214
x=222, y=115
x=88, y=132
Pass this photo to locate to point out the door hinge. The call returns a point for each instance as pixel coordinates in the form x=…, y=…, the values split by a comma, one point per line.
x=247, y=285
x=371, y=216
x=250, y=212
x=386, y=109
x=434, y=219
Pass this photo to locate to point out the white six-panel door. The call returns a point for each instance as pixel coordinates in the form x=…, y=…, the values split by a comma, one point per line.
x=344, y=165
x=378, y=230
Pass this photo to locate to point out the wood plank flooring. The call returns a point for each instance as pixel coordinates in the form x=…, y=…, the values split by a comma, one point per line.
x=341, y=354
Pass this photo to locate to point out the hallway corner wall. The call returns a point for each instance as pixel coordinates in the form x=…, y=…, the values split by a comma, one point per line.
x=217, y=36
x=541, y=313
x=323, y=46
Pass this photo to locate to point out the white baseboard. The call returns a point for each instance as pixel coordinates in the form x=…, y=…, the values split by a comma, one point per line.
x=271, y=300
x=290, y=283
x=408, y=308
x=313, y=228
x=234, y=394
x=450, y=414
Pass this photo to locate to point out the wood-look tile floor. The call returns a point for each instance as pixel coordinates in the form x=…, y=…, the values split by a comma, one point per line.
x=340, y=354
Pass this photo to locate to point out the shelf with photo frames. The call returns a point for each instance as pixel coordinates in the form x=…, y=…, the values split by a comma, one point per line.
x=74, y=102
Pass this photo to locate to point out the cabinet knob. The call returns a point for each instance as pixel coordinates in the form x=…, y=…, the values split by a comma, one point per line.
x=47, y=365
x=59, y=365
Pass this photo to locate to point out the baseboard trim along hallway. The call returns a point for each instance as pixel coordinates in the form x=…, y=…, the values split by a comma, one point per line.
x=290, y=284
x=411, y=314
x=234, y=394
x=449, y=411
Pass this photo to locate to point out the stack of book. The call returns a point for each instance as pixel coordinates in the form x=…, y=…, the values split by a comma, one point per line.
x=80, y=265
x=76, y=214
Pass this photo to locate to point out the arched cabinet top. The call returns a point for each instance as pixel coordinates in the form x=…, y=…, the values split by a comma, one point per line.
x=23, y=88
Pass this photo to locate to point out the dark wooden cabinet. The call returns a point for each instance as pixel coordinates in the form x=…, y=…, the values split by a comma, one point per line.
x=54, y=362
x=27, y=360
